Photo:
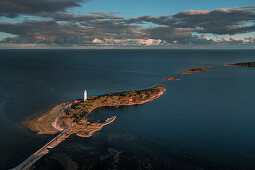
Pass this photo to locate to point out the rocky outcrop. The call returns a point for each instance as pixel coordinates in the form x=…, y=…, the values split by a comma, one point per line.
x=199, y=69
x=171, y=78
x=247, y=64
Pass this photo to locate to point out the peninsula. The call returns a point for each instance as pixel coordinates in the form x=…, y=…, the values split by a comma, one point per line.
x=82, y=109
x=72, y=117
x=68, y=114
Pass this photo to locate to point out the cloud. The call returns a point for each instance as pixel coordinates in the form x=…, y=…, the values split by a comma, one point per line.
x=219, y=21
x=53, y=31
x=45, y=31
x=14, y=8
x=235, y=40
x=206, y=37
x=105, y=29
x=97, y=41
x=149, y=42
x=182, y=35
x=66, y=16
x=193, y=12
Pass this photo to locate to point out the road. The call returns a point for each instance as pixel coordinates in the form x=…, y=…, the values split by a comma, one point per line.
x=44, y=150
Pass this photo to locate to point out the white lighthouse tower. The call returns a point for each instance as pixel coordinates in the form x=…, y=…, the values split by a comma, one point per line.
x=85, y=95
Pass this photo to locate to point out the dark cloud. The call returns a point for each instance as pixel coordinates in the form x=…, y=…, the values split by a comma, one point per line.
x=45, y=31
x=14, y=8
x=66, y=16
x=162, y=20
x=170, y=34
x=53, y=31
x=113, y=29
x=220, y=21
x=108, y=28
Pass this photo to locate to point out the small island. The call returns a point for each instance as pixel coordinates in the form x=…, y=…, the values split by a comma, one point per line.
x=189, y=71
x=199, y=69
x=247, y=64
x=170, y=78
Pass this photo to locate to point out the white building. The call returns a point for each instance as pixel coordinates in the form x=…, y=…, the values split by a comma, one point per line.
x=85, y=95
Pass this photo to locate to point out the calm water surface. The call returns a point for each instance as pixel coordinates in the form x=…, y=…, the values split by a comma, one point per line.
x=206, y=120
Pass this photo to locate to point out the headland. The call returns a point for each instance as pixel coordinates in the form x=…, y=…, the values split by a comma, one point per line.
x=71, y=117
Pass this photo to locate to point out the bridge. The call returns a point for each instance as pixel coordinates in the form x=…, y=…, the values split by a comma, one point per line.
x=44, y=150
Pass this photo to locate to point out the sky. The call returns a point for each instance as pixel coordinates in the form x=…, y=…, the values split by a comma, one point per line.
x=83, y=24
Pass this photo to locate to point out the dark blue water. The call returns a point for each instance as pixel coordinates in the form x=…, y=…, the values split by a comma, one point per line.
x=206, y=120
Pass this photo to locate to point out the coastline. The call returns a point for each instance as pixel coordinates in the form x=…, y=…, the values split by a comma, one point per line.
x=82, y=132
x=132, y=103
x=55, y=119
x=60, y=118
x=46, y=122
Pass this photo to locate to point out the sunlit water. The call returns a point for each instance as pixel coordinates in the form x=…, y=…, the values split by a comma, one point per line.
x=205, y=120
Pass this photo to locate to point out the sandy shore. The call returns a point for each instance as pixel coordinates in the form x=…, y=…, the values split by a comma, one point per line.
x=46, y=123
x=82, y=131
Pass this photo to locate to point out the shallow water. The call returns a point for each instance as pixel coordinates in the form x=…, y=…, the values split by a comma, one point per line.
x=204, y=120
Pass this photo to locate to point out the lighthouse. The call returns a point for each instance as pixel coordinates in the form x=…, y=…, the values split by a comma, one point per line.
x=85, y=95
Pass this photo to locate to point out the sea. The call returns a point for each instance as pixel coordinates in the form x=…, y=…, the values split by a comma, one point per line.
x=206, y=120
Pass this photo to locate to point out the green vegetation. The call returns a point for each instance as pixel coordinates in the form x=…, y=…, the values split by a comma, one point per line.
x=82, y=109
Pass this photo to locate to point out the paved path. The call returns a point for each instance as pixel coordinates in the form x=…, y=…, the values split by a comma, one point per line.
x=44, y=150
x=57, y=140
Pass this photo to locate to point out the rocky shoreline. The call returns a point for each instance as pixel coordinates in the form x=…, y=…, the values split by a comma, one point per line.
x=189, y=71
x=198, y=69
x=66, y=118
x=68, y=114
x=171, y=78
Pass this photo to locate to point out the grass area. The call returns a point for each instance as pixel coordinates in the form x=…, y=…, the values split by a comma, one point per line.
x=82, y=109
x=67, y=114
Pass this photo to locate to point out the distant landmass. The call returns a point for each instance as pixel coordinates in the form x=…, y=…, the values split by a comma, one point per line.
x=248, y=64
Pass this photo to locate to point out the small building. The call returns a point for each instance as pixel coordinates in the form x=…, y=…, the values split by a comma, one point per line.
x=76, y=102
